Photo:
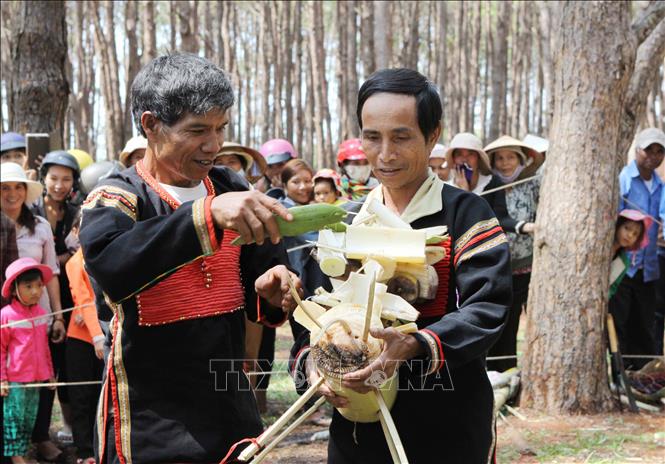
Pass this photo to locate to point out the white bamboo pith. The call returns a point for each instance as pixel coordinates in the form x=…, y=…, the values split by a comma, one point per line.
x=294, y=294
x=370, y=305
x=392, y=430
x=261, y=456
x=265, y=437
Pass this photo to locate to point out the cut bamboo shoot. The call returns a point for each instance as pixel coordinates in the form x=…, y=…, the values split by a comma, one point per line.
x=370, y=305
x=385, y=216
x=402, y=245
x=294, y=294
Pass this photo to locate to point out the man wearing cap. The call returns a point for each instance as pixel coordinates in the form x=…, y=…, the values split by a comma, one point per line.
x=134, y=151
x=157, y=239
x=633, y=305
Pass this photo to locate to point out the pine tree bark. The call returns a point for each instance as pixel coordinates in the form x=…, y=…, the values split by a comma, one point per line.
x=367, y=38
x=500, y=71
x=650, y=56
x=382, y=35
x=40, y=90
x=186, y=12
x=132, y=61
x=81, y=102
x=565, y=367
x=149, y=35
x=299, y=79
x=351, y=72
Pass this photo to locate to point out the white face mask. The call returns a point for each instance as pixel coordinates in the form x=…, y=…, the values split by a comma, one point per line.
x=359, y=173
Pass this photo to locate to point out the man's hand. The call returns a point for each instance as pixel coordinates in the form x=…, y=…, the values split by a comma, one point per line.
x=397, y=347
x=333, y=398
x=251, y=214
x=4, y=388
x=99, y=349
x=273, y=286
x=58, y=331
x=529, y=228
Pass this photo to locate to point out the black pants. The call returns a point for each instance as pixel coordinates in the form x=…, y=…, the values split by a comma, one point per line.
x=633, y=308
x=506, y=345
x=659, y=323
x=83, y=365
x=266, y=357
x=40, y=431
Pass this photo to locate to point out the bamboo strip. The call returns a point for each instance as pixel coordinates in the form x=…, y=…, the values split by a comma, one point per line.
x=294, y=294
x=370, y=304
x=261, y=456
x=392, y=430
x=265, y=437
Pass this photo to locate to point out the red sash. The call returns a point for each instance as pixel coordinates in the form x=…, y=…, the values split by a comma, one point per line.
x=439, y=305
x=205, y=287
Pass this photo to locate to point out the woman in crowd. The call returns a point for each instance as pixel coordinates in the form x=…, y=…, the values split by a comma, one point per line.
x=35, y=240
x=471, y=171
x=509, y=158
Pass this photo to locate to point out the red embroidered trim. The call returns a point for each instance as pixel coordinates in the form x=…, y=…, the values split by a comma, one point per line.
x=438, y=342
x=439, y=305
x=114, y=395
x=163, y=194
x=296, y=359
x=105, y=416
x=212, y=233
x=475, y=240
x=205, y=287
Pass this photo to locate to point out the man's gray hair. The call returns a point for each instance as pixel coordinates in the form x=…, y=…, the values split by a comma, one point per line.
x=171, y=86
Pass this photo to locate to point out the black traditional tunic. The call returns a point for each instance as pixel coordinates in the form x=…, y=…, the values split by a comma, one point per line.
x=446, y=415
x=174, y=389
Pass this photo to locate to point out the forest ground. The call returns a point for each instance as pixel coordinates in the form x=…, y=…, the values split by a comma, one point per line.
x=533, y=438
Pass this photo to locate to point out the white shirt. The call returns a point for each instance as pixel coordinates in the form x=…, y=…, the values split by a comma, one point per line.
x=185, y=194
x=649, y=184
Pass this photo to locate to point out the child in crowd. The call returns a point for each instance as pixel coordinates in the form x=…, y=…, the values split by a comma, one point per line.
x=24, y=352
x=630, y=235
x=328, y=187
x=84, y=352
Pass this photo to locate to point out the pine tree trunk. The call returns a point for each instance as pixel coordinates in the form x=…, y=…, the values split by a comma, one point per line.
x=149, y=36
x=186, y=11
x=500, y=71
x=351, y=72
x=367, y=38
x=382, y=37
x=565, y=368
x=40, y=90
x=299, y=79
x=132, y=62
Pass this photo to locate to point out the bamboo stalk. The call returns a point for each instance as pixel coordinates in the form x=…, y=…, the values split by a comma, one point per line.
x=370, y=304
x=392, y=430
x=261, y=456
x=389, y=439
x=294, y=294
x=265, y=437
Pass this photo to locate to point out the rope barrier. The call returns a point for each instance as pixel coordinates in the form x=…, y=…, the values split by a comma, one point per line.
x=30, y=319
x=642, y=211
x=505, y=186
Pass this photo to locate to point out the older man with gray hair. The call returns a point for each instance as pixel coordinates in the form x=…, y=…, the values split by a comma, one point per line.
x=157, y=238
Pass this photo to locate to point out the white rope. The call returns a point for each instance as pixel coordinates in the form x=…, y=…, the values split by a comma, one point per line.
x=30, y=319
x=505, y=186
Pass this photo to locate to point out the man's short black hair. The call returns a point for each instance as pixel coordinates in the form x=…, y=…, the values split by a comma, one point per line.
x=406, y=82
x=171, y=86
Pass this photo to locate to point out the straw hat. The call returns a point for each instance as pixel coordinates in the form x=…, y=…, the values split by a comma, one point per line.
x=133, y=144
x=506, y=142
x=469, y=141
x=20, y=266
x=252, y=158
x=12, y=172
x=539, y=144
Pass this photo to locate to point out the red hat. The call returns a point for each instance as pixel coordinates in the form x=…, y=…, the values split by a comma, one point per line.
x=350, y=150
x=20, y=266
x=638, y=216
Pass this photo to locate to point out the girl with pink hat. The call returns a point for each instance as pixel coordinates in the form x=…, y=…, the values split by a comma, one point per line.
x=630, y=235
x=24, y=352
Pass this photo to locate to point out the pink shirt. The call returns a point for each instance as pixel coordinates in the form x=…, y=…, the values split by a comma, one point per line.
x=40, y=246
x=24, y=352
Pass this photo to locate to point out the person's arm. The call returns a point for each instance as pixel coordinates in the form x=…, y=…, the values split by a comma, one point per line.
x=5, y=337
x=84, y=297
x=483, y=279
x=497, y=201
